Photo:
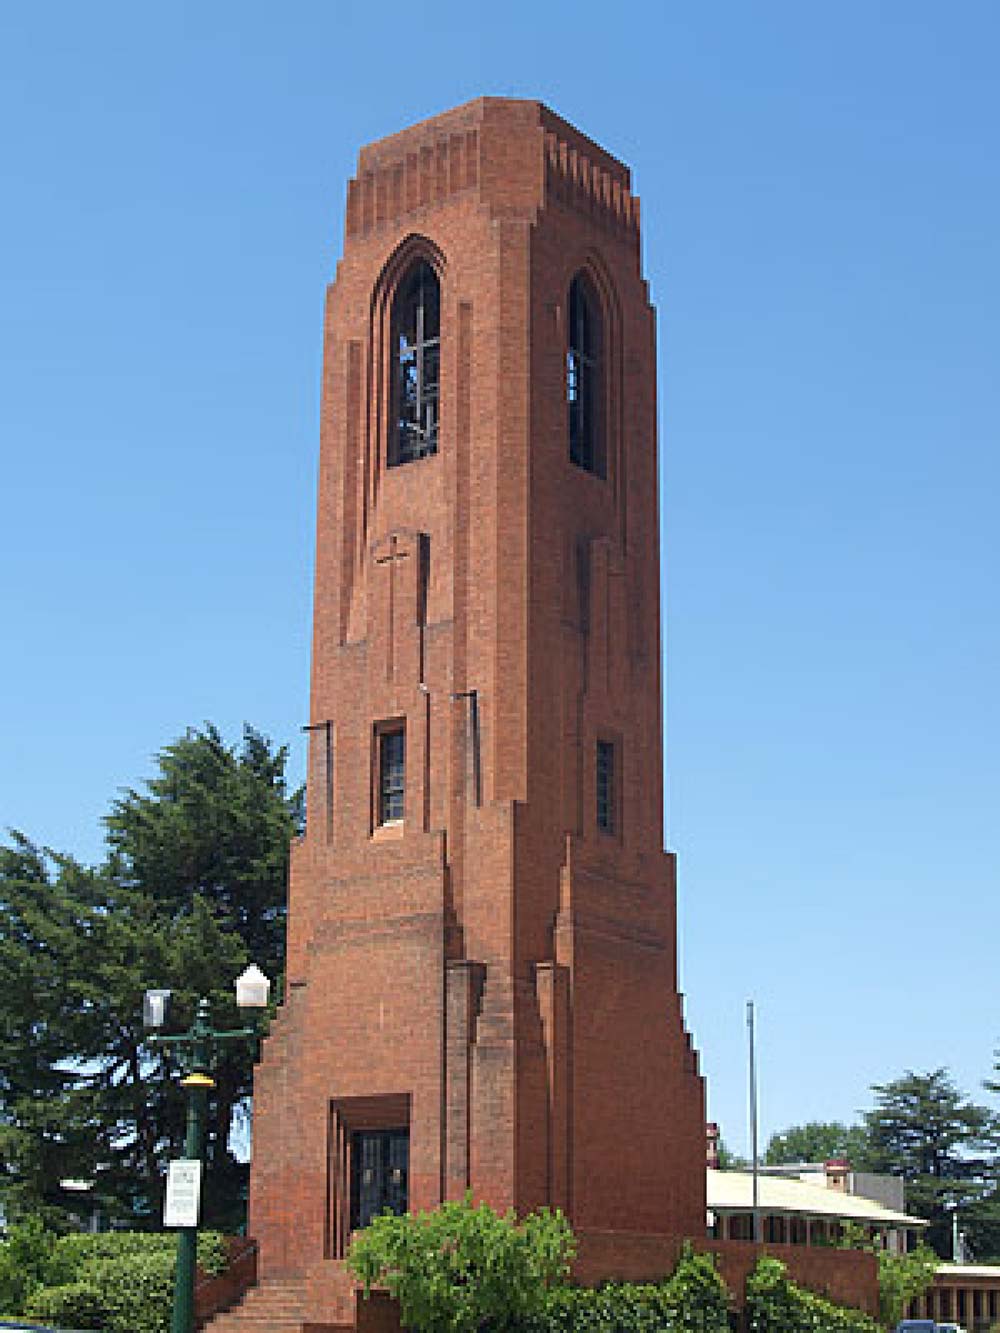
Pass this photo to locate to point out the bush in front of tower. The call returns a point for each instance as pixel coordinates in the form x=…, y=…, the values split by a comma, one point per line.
x=776, y=1304
x=116, y=1281
x=694, y=1297
x=462, y=1268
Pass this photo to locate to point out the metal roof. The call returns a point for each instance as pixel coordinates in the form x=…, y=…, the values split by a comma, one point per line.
x=732, y=1191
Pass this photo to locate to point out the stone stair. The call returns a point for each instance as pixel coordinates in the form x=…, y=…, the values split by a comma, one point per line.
x=275, y=1305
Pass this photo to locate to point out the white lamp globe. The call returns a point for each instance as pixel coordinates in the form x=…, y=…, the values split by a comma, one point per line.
x=252, y=988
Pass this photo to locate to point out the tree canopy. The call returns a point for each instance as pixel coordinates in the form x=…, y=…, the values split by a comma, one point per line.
x=922, y=1128
x=192, y=888
x=942, y=1144
x=817, y=1141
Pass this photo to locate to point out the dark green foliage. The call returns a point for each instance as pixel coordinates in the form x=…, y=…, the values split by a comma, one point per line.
x=462, y=1268
x=75, y=1305
x=694, y=1299
x=25, y=1262
x=192, y=889
x=120, y=1282
x=903, y=1278
x=944, y=1146
x=614, y=1308
x=131, y=1295
x=73, y=1253
x=776, y=1305
x=817, y=1141
x=923, y=1129
x=695, y=1296
x=983, y=1224
x=730, y=1161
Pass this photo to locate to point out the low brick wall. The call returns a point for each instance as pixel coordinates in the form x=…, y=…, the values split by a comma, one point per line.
x=377, y=1313
x=212, y=1295
x=849, y=1277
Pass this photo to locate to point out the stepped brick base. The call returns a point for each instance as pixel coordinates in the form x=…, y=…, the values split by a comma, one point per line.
x=273, y=1306
x=327, y=1300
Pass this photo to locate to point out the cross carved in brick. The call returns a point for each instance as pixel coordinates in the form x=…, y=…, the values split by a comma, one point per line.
x=392, y=559
x=394, y=553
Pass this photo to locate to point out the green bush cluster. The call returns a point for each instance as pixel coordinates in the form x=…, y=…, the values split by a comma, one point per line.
x=694, y=1299
x=25, y=1262
x=119, y=1281
x=460, y=1268
x=776, y=1305
x=463, y=1269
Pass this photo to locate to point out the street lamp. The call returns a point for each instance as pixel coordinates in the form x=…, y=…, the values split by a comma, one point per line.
x=196, y=1050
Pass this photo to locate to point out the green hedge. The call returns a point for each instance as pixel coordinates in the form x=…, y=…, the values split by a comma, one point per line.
x=76, y=1305
x=76, y=1251
x=131, y=1295
x=462, y=1268
x=118, y=1281
x=776, y=1305
x=693, y=1298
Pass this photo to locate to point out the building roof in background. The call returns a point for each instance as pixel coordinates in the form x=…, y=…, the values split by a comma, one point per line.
x=730, y=1191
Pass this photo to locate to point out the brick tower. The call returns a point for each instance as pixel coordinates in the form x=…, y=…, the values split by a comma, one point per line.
x=481, y=979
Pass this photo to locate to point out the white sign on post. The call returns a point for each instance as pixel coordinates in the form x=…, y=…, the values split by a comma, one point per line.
x=180, y=1208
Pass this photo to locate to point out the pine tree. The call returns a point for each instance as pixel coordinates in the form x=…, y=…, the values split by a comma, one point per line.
x=925, y=1130
x=192, y=889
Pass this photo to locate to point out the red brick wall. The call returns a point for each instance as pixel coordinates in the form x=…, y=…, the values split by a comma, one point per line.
x=848, y=1277
x=219, y=1292
x=498, y=960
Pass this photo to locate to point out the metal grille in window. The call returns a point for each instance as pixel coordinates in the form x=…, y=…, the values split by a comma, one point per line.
x=380, y=1161
x=606, y=786
x=392, y=775
x=416, y=344
x=583, y=379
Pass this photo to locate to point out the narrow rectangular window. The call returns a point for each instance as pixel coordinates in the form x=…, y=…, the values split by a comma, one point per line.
x=606, y=786
x=391, y=774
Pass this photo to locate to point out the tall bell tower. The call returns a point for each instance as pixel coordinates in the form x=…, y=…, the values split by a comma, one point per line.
x=481, y=982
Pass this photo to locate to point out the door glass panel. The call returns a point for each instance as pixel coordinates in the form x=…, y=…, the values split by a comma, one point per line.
x=380, y=1161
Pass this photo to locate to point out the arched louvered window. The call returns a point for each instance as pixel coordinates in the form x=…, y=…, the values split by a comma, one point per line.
x=416, y=364
x=585, y=378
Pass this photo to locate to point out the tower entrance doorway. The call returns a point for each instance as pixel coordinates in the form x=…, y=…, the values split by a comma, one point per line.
x=380, y=1162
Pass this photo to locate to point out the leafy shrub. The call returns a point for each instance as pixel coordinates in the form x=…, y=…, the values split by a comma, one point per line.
x=776, y=1305
x=76, y=1305
x=902, y=1278
x=74, y=1252
x=693, y=1298
x=459, y=1268
x=133, y=1295
x=612, y=1308
x=25, y=1257
x=118, y=1281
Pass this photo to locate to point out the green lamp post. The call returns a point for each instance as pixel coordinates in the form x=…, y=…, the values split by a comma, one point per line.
x=196, y=1049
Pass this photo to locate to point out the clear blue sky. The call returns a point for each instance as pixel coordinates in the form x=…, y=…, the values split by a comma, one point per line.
x=821, y=200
